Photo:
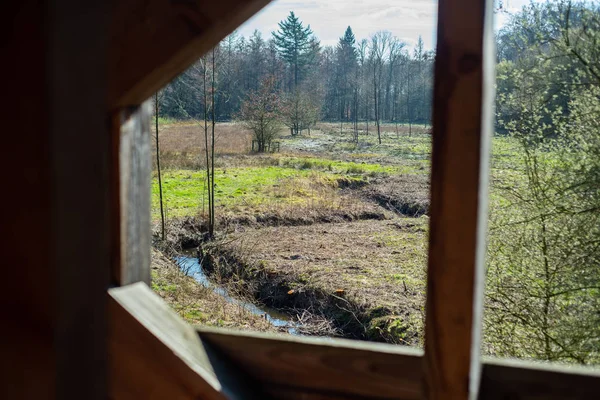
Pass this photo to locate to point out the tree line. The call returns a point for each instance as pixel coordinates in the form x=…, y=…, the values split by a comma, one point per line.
x=373, y=80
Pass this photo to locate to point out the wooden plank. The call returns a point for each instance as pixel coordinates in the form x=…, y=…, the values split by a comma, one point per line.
x=518, y=380
x=80, y=151
x=26, y=301
x=295, y=393
x=133, y=263
x=116, y=266
x=462, y=121
x=55, y=227
x=154, y=41
x=154, y=354
x=311, y=368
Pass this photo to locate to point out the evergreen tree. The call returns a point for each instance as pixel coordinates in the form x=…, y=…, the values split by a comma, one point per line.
x=346, y=47
x=296, y=45
x=257, y=58
x=347, y=62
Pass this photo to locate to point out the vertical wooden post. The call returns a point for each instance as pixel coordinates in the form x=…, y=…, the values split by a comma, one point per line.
x=131, y=133
x=56, y=225
x=461, y=129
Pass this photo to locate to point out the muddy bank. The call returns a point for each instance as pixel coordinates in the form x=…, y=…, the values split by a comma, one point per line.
x=191, y=266
x=198, y=304
x=188, y=233
x=330, y=313
x=302, y=219
x=406, y=195
x=360, y=277
x=356, y=276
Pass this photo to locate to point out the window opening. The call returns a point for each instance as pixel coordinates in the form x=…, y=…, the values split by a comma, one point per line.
x=318, y=220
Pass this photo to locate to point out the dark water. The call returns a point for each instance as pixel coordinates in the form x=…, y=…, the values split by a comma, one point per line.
x=191, y=266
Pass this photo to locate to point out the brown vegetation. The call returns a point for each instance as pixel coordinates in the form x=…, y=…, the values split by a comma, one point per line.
x=340, y=254
x=182, y=143
x=366, y=277
x=404, y=194
x=198, y=304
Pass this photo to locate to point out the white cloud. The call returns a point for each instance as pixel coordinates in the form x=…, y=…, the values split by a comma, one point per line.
x=406, y=19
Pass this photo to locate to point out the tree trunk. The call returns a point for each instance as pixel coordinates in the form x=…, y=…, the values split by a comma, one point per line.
x=376, y=105
x=160, y=190
x=211, y=227
x=206, y=146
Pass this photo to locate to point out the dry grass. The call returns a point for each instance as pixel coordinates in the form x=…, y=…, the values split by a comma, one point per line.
x=377, y=266
x=196, y=303
x=182, y=144
x=401, y=129
x=188, y=136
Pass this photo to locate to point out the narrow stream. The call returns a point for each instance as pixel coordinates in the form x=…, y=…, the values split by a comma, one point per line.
x=191, y=267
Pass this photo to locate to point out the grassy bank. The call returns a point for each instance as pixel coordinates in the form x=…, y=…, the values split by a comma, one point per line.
x=196, y=303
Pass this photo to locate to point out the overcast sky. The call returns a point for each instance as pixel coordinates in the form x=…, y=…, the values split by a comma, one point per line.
x=406, y=19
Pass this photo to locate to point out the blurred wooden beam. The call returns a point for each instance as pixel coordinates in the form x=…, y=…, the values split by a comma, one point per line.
x=154, y=354
x=132, y=180
x=512, y=379
x=462, y=126
x=291, y=367
x=56, y=225
x=152, y=41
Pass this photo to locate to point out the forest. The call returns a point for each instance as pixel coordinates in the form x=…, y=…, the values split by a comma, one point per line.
x=372, y=79
x=326, y=233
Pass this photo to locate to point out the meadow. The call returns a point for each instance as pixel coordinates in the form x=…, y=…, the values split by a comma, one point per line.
x=331, y=232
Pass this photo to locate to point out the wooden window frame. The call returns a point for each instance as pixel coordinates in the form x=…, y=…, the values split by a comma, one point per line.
x=154, y=354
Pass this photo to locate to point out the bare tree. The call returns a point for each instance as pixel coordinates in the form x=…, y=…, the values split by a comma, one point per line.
x=260, y=113
x=380, y=43
x=208, y=150
x=211, y=214
x=157, y=98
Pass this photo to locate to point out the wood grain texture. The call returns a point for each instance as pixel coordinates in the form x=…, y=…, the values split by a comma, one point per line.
x=461, y=128
x=518, y=380
x=134, y=195
x=55, y=227
x=308, y=368
x=152, y=41
x=154, y=354
x=27, y=309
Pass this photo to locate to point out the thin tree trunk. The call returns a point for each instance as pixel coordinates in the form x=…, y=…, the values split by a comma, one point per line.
x=355, y=114
x=206, y=148
x=376, y=105
x=547, y=293
x=408, y=105
x=212, y=151
x=160, y=190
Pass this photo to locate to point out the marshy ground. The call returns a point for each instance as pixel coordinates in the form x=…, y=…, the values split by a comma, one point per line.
x=329, y=231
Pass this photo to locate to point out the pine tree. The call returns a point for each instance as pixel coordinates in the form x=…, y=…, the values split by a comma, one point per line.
x=257, y=57
x=296, y=45
x=347, y=62
x=347, y=47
